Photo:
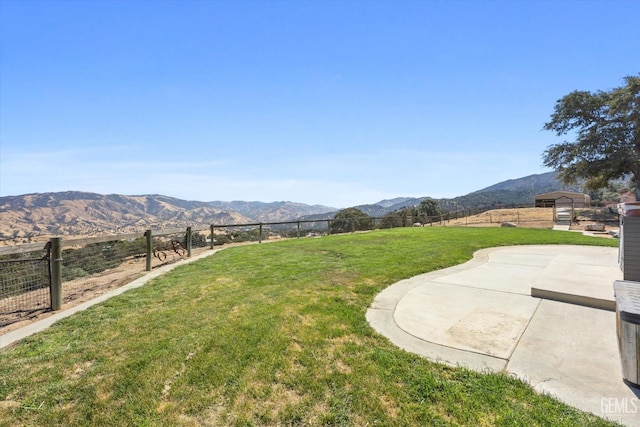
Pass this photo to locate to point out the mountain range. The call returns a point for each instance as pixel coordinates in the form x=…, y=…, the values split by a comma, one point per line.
x=74, y=213
x=507, y=194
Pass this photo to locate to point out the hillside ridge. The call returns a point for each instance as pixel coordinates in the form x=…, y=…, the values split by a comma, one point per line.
x=78, y=213
x=75, y=213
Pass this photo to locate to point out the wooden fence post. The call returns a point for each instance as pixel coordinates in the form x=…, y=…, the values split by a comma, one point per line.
x=260, y=234
x=189, y=235
x=149, y=249
x=212, y=238
x=56, y=273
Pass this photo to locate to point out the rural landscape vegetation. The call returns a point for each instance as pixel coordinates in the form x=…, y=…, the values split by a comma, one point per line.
x=271, y=334
x=35, y=217
x=276, y=334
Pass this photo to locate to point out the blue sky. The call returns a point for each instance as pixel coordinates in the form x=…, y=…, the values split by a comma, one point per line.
x=321, y=102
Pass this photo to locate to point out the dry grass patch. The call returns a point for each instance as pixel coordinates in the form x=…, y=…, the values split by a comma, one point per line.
x=523, y=217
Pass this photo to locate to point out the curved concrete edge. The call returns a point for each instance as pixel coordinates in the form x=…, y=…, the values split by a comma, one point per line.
x=558, y=353
x=391, y=295
x=380, y=316
x=40, y=325
x=382, y=311
x=382, y=321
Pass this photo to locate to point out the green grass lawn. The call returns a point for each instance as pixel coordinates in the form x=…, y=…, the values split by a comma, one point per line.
x=271, y=334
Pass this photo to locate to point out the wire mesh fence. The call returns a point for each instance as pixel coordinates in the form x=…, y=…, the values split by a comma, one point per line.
x=91, y=267
x=201, y=239
x=24, y=286
x=599, y=215
x=258, y=232
x=169, y=247
x=87, y=257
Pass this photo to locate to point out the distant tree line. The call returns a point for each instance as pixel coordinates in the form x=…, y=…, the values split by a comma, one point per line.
x=353, y=219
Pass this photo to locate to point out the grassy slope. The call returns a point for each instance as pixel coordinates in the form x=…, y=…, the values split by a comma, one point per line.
x=271, y=334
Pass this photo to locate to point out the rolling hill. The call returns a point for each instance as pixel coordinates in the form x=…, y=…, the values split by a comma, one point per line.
x=73, y=213
x=510, y=193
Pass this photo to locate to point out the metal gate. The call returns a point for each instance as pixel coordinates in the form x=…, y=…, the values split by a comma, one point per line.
x=25, y=282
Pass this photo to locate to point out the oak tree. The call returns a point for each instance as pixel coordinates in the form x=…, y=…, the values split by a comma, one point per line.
x=350, y=219
x=606, y=125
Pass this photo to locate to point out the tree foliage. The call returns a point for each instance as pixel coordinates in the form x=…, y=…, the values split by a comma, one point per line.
x=429, y=208
x=606, y=125
x=393, y=220
x=350, y=219
x=427, y=211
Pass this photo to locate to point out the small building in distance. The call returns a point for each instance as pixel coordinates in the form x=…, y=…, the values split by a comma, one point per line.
x=562, y=199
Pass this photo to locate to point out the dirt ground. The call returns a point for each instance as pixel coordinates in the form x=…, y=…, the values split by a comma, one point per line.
x=84, y=289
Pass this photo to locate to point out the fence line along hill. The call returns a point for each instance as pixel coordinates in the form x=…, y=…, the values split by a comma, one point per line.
x=526, y=217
